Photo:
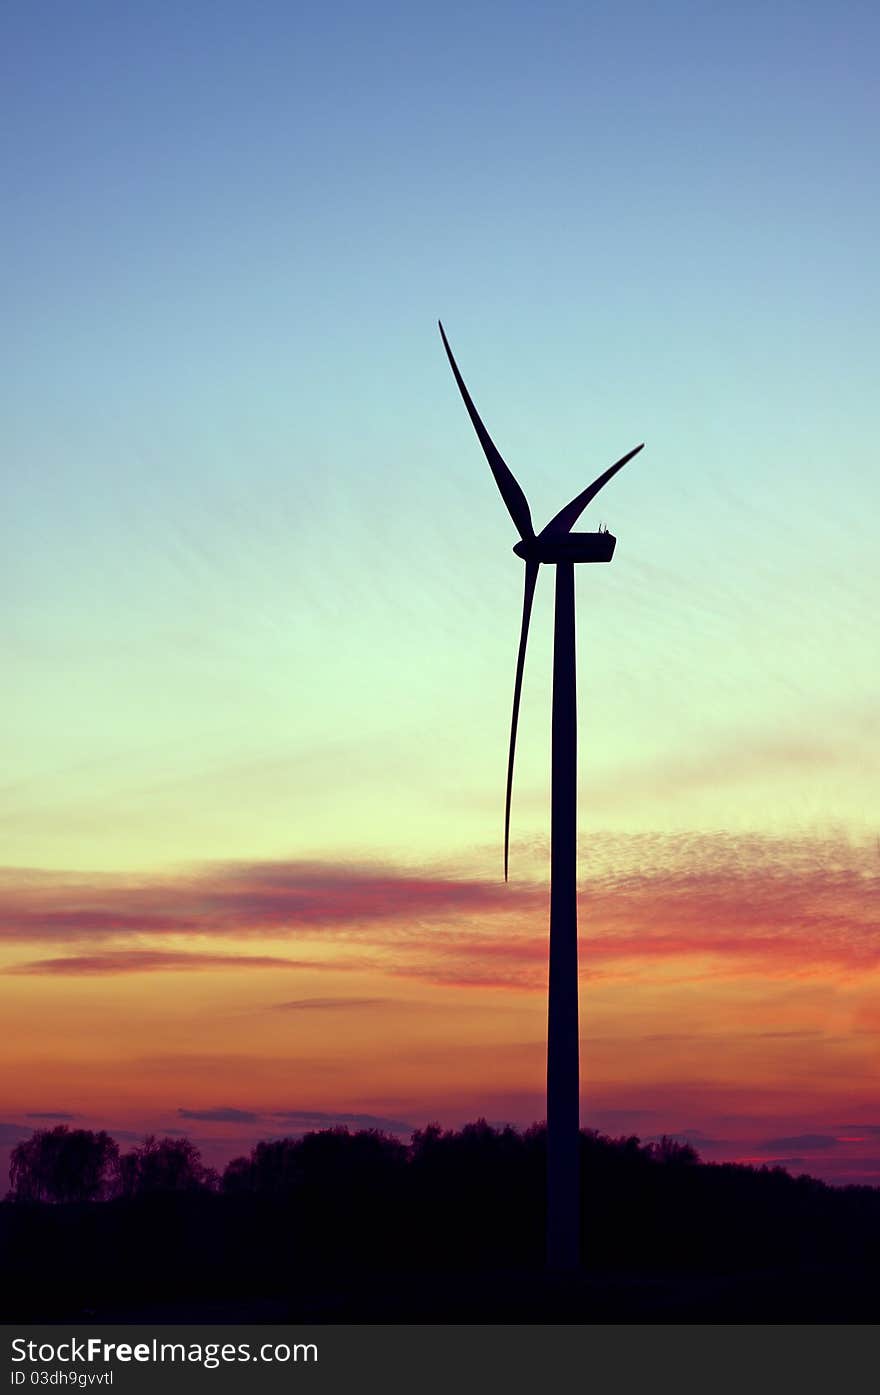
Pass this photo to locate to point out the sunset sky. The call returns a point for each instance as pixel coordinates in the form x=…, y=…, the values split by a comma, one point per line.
x=261, y=610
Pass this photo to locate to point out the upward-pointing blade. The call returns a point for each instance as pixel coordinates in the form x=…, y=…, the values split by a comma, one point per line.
x=528, y=596
x=517, y=504
x=566, y=518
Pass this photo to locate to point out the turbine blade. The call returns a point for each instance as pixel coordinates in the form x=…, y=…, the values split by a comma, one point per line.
x=517, y=504
x=528, y=596
x=564, y=521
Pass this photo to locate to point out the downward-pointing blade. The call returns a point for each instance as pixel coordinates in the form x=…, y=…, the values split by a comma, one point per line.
x=564, y=521
x=517, y=504
x=528, y=596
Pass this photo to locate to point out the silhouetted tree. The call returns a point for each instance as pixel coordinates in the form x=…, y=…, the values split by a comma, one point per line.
x=271, y=1170
x=670, y=1150
x=325, y=1159
x=64, y=1164
x=238, y=1177
x=478, y=1192
x=164, y=1165
x=325, y=1156
x=348, y=1215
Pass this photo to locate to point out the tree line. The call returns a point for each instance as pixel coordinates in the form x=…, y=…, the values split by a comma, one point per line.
x=345, y=1222
x=76, y=1165
x=62, y=1164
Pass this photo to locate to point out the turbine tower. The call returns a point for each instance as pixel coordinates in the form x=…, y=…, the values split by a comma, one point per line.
x=556, y=545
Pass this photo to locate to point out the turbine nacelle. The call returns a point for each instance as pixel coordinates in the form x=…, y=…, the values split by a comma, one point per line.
x=570, y=547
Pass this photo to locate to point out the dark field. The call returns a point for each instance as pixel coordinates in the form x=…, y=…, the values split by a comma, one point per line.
x=340, y=1227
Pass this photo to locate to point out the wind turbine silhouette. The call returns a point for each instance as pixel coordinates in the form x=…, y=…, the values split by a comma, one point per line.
x=557, y=545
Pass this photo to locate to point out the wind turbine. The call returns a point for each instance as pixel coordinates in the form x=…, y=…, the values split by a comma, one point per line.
x=559, y=546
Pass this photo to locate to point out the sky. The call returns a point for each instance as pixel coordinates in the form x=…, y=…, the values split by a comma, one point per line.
x=261, y=611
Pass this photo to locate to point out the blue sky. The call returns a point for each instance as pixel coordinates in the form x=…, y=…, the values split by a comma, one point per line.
x=230, y=425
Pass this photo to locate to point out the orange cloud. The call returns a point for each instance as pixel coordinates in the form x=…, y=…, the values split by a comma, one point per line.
x=139, y=961
x=240, y=899
x=775, y=906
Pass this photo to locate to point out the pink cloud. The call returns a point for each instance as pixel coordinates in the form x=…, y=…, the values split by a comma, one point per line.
x=775, y=906
x=241, y=898
x=139, y=961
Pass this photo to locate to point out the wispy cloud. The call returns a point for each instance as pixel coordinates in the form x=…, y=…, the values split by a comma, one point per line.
x=771, y=905
x=139, y=961
x=306, y=1119
x=223, y=1115
x=240, y=899
x=805, y=1142
x=13, y=1133
x=295, y=1120
x=769, y=758
x=332, y=1004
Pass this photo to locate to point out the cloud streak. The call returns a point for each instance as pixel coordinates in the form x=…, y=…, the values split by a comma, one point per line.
x=803, y=1142
x=241, y=899
x=775, y=757
x=139, y=961
x=789, y=907
x=13, y=1133
x=333, y=1004
x=306, y=1119
x=297, y=1120
x=223, y=1115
